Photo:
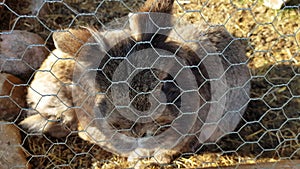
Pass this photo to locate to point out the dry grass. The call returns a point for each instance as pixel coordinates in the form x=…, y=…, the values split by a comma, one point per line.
x=270, y=127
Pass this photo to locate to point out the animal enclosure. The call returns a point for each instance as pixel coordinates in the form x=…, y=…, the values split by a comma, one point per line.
x=246, y=98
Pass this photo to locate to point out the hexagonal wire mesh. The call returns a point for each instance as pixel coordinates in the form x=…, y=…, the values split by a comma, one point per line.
x=149, y=89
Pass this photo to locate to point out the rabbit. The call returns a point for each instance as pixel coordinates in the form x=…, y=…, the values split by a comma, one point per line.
x=49, y=95
x=195, y=77
x=140, y=132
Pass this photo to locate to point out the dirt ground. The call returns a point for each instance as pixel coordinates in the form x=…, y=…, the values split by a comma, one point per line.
x=270, y=127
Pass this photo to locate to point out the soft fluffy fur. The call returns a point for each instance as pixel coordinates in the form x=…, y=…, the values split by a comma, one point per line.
x=50, y=93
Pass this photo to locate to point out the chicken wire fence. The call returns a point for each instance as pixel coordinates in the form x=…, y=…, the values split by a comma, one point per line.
x=149, y=84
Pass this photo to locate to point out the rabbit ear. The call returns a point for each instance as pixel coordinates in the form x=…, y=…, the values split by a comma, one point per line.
x=69, y=41
x=153, y=21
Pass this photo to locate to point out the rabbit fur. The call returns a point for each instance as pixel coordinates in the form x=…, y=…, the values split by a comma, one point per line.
x=55, y=110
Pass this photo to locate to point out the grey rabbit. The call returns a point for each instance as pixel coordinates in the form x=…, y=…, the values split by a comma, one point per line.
x=186, y=84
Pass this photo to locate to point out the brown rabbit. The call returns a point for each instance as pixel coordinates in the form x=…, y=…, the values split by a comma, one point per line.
x=186, y=86
x=186, y=118
x=50, y=92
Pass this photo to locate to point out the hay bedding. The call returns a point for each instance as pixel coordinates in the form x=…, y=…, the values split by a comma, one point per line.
x=268, y=131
